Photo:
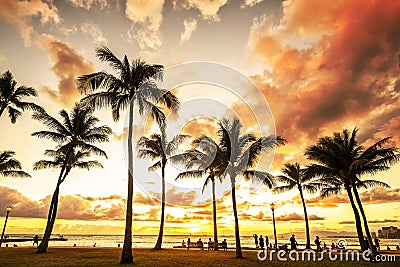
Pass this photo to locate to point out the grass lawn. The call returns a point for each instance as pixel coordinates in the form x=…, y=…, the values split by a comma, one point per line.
x=21, y=256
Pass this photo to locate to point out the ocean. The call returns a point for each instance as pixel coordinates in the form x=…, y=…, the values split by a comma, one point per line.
x=148, y=241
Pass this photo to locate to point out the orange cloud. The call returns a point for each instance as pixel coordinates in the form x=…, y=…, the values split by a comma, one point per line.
x=68, y=64
x=330, y=71
x=21, y=13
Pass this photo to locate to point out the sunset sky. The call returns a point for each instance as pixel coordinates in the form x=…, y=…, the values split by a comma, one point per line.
x=322, y=66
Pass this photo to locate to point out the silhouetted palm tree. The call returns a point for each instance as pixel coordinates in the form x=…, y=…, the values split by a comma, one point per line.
x=296, y=177
x=243, y=152
x=341, y=162
x=134, y=82
x=75, y=135
x=158, y=148
x=11, y=97
x=205, y=159
x=10, y=167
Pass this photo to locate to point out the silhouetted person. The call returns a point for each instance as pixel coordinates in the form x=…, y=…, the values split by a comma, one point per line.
x=387, y=247
x=318, y=243
x=256, y=240
x=36, y=240
x=366, y=243
x=266, y=242
x=183, y=244
x=94, y=245
x=200, y=244
x=261, y=242
x=376, y=241
x=210, y=244
x=293, y=243
x=270, y=246
x=224, y=245
x=333, y=246
x=75, y=245
x=324, y=246
x=188, y=244
x=397, y=247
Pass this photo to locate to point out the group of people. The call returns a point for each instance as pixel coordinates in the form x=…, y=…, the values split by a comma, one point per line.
x=210, y=244
x=261, y=243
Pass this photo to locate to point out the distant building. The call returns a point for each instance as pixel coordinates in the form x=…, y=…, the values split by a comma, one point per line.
x=389, y=232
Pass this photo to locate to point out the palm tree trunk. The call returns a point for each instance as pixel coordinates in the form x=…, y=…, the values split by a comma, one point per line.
x=42, y=248
x=214, y=216
x=160, y=233
x=126, y=256
x=366, y=228
x=357, y=219
x=237, y=234
x=3, y=107
x=308, y=243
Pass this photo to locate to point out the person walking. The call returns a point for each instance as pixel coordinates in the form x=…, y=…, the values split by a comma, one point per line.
x=36, y=240
x=256, y=240
x=261, y=242
x=293, y=243
x=318, y=243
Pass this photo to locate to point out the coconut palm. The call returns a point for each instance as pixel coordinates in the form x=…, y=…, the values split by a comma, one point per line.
x=205, y=159
x=134, y=83
x=243, y=153
x=159, y=149
x=296, y=177
x=341, y=162
x=76, y=136
x=11, y=97
x=9, y=166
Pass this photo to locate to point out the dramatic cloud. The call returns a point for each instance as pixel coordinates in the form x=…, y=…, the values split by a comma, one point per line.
x=174, y=197
x=147, y=18
x=94, y=31
x=190, y=27
x=373, y=221
x=87, y=4
x=207, y=8
x=373, y=196
x=68, y=65
x=380, y=195
x=331, y=71
x=250, y=3
x=21, y=13
x=298, y=217
x=75, y=207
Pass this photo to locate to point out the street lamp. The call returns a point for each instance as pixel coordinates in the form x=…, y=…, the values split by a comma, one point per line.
x=8, y=209
x=273, y=220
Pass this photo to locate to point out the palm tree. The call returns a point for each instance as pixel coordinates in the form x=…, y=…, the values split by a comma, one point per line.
x=341, y=162
x=134, y=82
x=243, y=152
x=158, y=148
x=296, y=177
x=75, y=135
x=208, y=160
x=10, y=167
x=11, y=96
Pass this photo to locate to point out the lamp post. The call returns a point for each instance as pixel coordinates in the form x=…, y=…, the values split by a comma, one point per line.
x=273, y=220
x=5, y=224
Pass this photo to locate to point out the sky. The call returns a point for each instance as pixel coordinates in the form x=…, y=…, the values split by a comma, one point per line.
x=317, y=66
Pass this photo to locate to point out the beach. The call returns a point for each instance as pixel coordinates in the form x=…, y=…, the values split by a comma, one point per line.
x=62, y=256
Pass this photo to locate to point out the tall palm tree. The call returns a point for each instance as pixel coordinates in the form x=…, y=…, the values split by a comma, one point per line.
x=9, y=166
x=296, y=177
x=205, y=159
x=243, y=152
x=76, y=136
x=11, y=97
x=158, y=148
x=134, y=82
x=341, y=162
